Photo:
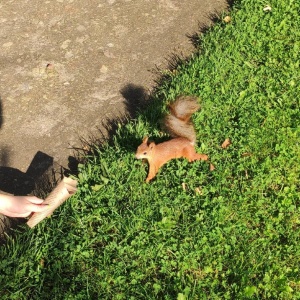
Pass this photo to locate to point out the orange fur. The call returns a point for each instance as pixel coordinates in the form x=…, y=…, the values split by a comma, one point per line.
x=178, y=124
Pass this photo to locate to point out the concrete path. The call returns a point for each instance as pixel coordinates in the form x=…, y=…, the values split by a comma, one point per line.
x=63, y=64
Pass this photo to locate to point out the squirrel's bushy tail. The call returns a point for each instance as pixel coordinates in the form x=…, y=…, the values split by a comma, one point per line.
x=178, y=123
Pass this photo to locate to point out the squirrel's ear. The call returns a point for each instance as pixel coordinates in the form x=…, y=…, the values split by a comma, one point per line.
x=151, y=145
x=145, y=140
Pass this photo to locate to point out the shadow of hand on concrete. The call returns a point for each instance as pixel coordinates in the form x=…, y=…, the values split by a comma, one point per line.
x=13, y=181
x=36, y=180
x=16, y=182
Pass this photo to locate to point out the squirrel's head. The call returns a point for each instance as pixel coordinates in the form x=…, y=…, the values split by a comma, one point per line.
x=145, y=149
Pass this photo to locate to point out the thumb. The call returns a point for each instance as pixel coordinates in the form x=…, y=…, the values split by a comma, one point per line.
x=34, y=200
x=37, y=207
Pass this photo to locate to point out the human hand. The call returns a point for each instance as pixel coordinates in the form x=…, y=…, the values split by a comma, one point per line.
x=20, y=206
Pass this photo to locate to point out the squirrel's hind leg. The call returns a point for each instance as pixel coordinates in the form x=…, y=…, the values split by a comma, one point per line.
x=199, y=156
x=191, y=154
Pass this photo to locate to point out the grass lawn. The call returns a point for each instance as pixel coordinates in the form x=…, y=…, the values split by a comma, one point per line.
x=192, y=233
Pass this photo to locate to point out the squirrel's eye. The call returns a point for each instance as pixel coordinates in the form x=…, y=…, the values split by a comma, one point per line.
x=145, y=153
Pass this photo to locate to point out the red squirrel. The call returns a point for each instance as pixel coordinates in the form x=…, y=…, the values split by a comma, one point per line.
x=178, y=125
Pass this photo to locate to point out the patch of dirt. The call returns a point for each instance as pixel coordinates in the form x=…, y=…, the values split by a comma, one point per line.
x=63, y=64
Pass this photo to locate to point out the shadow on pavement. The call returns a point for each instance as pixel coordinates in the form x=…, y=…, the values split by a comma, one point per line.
x=38, y=180
x=136, y=98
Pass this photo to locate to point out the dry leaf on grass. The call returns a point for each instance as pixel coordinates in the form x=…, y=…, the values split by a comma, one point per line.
x=226, y=143
x=267, y=8
x=198, y=191
x=227, y=19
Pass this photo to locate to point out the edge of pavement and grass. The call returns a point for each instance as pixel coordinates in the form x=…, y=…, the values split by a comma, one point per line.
x=192, y=233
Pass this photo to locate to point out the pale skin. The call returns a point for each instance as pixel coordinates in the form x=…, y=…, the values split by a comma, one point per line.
x=20, y=206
